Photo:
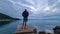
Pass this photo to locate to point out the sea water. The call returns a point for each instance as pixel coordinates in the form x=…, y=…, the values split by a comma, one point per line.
x=40, y=25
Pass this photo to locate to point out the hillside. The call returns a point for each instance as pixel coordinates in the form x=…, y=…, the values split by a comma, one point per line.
x=3, y=16
x=5, y=19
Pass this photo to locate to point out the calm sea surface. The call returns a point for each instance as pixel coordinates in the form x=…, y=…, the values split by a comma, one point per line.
x=40, y=25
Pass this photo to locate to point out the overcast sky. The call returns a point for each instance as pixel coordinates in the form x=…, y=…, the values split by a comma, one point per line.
x=38, y=9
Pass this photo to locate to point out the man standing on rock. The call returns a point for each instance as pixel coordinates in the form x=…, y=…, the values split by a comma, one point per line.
x=25, y=15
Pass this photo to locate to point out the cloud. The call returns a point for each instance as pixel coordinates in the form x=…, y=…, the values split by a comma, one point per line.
x=12, y=1
x=30, y=1
x=47, y=8
x=1, y=8
x=54, y=10
x=36, y=7
x=58, y=0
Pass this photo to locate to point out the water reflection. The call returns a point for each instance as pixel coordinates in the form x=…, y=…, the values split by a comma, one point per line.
x=4, y=22
x=9, y=28
x=41, y=25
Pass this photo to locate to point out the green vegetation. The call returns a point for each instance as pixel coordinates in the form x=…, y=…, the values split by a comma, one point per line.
x=5, y=19
x=3, y=16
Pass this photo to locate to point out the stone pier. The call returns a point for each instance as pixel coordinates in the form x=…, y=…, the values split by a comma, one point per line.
x=28, y=30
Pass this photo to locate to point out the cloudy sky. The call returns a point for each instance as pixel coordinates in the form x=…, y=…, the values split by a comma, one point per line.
x=38, y=9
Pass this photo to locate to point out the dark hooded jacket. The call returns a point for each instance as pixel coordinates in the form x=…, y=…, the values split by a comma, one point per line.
x=25, y=14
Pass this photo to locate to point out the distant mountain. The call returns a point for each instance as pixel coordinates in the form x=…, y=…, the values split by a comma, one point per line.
x=3, y=16
x=5, y=19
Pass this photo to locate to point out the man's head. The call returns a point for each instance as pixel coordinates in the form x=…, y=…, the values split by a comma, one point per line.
x=25, y=10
